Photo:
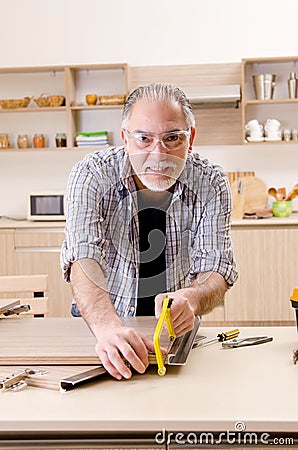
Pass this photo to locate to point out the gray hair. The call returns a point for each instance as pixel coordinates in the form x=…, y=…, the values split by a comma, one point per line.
x=158, y=92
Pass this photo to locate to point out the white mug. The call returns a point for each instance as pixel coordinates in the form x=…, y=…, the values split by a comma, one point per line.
x=253, y=125
x=272, y=124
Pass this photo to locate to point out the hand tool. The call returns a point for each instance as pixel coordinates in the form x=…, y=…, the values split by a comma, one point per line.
x=165, y=316
x=221, y=337
x=16, y=310
x=15, y=382
x=255, y=340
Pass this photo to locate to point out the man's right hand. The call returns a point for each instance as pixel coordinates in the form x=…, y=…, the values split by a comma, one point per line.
x=119, y=347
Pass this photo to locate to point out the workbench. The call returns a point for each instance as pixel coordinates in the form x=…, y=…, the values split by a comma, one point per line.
x=250, y=389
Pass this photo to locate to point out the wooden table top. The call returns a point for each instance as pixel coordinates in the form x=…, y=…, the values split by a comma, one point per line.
x=216, y=389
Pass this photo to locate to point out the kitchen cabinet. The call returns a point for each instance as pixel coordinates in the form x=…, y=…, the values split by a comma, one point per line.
x=217, y=124
x=266, y=253
x=37, y=251
x=7, y=263
x=30, y=248
x=72, y=82
x=280, y=107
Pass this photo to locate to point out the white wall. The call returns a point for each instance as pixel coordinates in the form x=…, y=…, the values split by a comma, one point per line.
x=139, y=32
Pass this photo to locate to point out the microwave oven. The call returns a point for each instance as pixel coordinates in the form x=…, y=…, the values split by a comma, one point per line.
x=46, y=205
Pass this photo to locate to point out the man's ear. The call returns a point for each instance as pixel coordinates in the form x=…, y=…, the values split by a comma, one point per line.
x=191, y=139
x=123, y=137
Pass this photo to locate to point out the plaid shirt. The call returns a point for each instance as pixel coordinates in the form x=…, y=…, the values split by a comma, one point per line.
x=102, y=224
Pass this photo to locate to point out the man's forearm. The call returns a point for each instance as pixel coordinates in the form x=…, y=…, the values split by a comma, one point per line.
x=206, y=292
x=92, y=296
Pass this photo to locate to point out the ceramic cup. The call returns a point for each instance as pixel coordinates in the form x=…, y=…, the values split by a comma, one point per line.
x=254, y=125
x=254, y=129
x=272, y=124
x=91, y=99
x=273, y=135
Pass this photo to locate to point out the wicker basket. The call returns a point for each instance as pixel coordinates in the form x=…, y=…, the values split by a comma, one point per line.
x=47, y=100
x=111, y=99
x=15, y=103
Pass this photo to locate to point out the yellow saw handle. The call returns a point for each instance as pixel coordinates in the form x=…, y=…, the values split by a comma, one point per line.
x=165, y=316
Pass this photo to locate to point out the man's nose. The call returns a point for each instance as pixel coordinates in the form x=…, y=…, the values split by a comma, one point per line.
x=158, y=147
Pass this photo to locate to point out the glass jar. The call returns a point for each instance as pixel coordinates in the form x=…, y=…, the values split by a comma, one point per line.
x=60, y=139
x=38, y=140
x=4, y=141
x=23, y=141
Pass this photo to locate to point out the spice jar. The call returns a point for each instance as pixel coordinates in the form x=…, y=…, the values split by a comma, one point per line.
x=60, y=139
x=4, y=141
x=23, y=141
x=38, y=140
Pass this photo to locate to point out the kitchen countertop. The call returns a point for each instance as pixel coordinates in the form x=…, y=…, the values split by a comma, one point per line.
x=272, y=221
x=16, y=223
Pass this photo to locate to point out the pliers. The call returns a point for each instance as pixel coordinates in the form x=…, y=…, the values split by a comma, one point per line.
x=243, y=342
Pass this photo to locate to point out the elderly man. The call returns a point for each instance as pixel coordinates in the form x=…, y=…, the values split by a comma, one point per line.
x=146, y=220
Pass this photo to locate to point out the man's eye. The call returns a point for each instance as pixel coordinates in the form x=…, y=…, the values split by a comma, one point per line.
x=143, y=138
x=171, y=138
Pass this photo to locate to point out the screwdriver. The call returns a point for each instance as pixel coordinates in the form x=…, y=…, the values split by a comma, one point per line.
x=221, y=337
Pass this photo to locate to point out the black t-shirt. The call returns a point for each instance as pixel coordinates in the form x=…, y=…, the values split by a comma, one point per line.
x=152, y=270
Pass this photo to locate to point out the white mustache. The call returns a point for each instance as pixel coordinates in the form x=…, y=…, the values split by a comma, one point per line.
x=162, y=165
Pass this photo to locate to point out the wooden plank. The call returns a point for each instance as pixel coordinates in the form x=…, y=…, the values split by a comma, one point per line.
x=61, y=341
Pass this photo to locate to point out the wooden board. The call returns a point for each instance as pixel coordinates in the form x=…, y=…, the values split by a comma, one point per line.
x=232, y=176
x=61, y=341
x=254, y=191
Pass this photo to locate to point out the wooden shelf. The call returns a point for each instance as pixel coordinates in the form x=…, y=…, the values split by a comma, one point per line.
x=34, y=110
x=95, y=107
x=275, y=101
x=53, y=149
x=280, y=107
x=74, y=83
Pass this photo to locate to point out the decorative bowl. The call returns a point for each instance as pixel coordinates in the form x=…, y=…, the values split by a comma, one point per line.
x=117, y=99
x=47, y=100
x=282, y=209
x=15, y=103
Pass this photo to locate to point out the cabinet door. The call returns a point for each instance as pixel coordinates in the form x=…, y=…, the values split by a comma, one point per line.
x=37, y=251
x=267, y=261
x=215, y=317
x=7, y=261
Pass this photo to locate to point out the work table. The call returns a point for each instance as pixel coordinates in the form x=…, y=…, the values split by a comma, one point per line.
x=216, y=389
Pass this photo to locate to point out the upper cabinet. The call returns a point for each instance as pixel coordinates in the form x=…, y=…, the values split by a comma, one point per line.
x=268, y=94
x=216, y=123
x=51, y=100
